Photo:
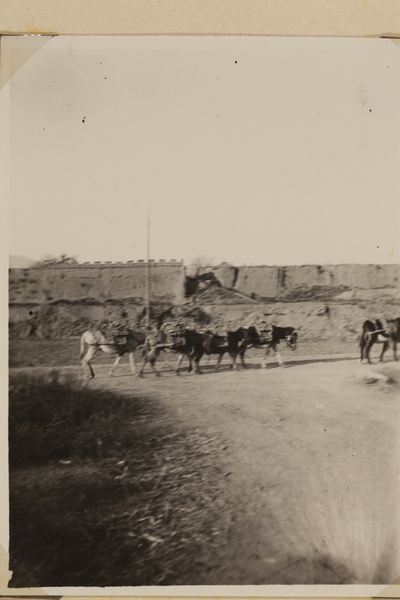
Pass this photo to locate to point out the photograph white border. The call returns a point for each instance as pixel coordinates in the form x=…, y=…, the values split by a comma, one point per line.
x=335, y=18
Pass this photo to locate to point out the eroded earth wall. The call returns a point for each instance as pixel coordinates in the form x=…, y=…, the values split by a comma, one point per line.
x=280, y=282
x=91, y=284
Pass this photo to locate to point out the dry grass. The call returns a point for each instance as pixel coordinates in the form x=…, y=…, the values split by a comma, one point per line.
x=104, y=491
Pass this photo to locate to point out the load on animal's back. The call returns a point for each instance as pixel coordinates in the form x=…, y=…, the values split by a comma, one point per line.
x=173, y=332
x=174, y=337
x=259, y=334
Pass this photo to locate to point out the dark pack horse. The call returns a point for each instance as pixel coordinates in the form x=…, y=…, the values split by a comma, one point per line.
x=231, y=342
x=373, y=332
x=185, y=342
x=94, y=339
x=268, y=338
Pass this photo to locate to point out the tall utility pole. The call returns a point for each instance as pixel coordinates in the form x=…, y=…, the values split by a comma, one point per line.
x=279, y=282
x=148, y=278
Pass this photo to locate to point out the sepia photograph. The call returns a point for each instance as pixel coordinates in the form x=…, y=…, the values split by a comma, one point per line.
x=203, y=310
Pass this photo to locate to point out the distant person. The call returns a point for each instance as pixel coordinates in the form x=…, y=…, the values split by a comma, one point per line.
x=32, y=324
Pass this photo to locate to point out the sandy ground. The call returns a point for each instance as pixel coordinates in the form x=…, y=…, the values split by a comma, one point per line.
x=309, y=455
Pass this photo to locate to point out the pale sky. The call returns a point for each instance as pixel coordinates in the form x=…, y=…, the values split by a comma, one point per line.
x=248, y=150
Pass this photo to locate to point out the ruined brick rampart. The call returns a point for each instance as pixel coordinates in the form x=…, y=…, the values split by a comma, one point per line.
x=91, y=282
x=288, y=282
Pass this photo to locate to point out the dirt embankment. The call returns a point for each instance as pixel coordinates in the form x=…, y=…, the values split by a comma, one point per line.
x=328, y=325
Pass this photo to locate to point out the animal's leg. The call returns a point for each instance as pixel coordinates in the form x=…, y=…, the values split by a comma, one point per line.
x=264, y=360
x=179, y=362
x=385, y=346
x=362, y=348
x=194, y=359
x=219, y=361
x=367, y=350
x=395, y=350
x=115, y=364
x=86, y=361
x=132, y=363
x=153, y=366
x=241, y=354
x=279, y=357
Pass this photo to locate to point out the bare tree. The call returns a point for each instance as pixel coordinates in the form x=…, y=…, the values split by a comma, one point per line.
x=198, y=265
x=57, y=260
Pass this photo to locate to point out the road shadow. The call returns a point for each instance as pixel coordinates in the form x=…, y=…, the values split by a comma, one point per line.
x=275, y=365
x=209, y=368
x=309, y=361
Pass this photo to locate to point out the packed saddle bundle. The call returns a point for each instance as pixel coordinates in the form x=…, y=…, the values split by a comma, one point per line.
x=174, y=332
x=264, y=330
x=219, y=337
x=114, y=332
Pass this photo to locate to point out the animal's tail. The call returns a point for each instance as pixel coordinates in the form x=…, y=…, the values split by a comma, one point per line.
x=82, y=353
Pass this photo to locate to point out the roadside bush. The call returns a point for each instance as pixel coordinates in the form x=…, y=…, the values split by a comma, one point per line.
x=53, y=419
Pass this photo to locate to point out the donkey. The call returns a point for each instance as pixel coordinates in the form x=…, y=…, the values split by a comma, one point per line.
x=94, y=340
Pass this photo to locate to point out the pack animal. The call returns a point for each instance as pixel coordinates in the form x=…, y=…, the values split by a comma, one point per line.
x=185, y=342
x=233, y=343
x=94, y=339
x=394, y=333
x=270, y=339
x=373, y=332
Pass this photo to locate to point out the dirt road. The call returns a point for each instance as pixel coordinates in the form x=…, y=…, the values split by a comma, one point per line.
x=309, y=456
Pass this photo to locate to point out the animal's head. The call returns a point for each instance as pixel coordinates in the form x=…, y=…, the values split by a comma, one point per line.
x=292, y=337
x=393, y=327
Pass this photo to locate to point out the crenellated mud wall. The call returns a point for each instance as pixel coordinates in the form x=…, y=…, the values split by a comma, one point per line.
x=97, y=282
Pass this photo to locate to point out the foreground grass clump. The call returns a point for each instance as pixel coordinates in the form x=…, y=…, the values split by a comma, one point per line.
x=54, y=419
x=106, y=490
